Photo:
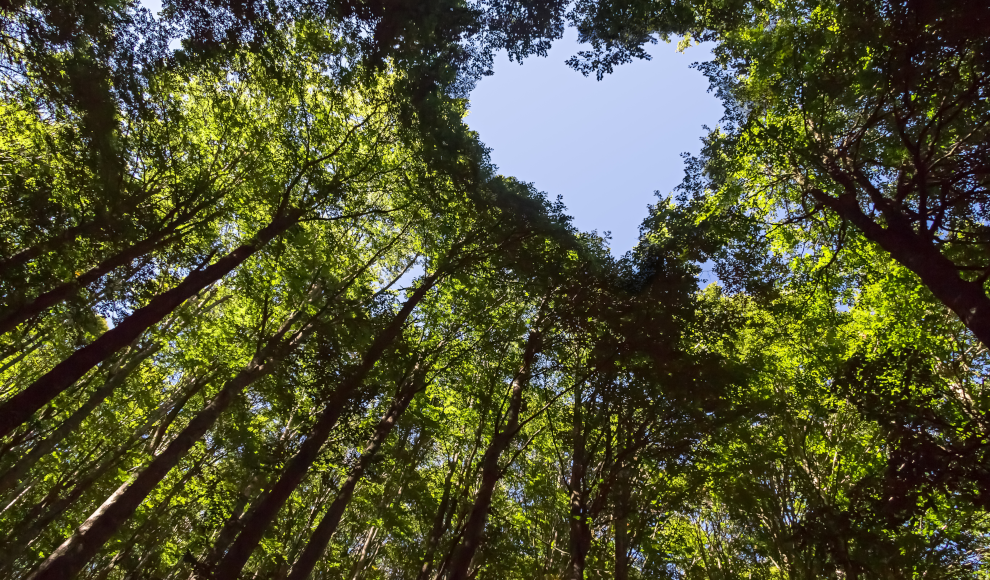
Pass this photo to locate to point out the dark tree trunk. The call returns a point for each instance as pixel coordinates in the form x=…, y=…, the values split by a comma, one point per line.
x=318, y=542
x=150, y=526
x=19, y=408
x=262, y=515
x=173, y=413
x=230, y=528
x=490, y=471
x=62, y=292
x=78, y=549
x=34, y=524
x=580, y=534
x=43, y=515
x=440, y=523
x=968, y=300
x=103, y=221
x=86, y=229
x=621, y=509
x=15, y=473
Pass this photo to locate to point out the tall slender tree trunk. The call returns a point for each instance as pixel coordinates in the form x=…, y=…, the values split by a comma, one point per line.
x=101, y=222
x=63, y=237
x=621, y=508
x=15, y=473
x=62, y=292
x=152, y=524
x=262, y=515
x=173, y=414
x=580, y=534
x=52, y=507
x=86, y=229
x=69, y=558
x=358, y=567
x=19, y=408
x=35, y=523
x=318, y=542
x=22, y=350
x=230, y=527
x=491, y=472
x=440, y=523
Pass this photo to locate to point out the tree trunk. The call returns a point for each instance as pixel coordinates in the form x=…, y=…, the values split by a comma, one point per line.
x=328, y=525
x=19, y=408
x=968, y=300
x=67, y=235
x=230, y=527
x=35, y=522
x=361, y=564
x=60, y=293
x=621, y=509
x=490, y=470
x=104, y=220
x=173, y=413
x=15, y=473
x=440, y=523
x=258, y=522
x=580, y=534
x=152, y=524
x=87, y=540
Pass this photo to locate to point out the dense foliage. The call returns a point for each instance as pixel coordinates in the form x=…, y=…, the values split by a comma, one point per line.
x=268, y=311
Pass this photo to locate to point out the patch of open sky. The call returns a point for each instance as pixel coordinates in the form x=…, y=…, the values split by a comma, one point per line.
x=605, y=146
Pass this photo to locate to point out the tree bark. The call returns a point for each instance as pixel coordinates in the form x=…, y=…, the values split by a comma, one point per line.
x=580, y=534
x=440, y=523
x=358, y=568
x=173, y=414
x=230, y=527
x=65, y=236
x=152, y=524
x=968, y=300
x=318, y=542
x=60, y=293
x=35, y=523
x=69, y=558
x=103, y=221
x=19, y=408
x=15, y=473
x=621, y=509
x=490, y=470
x=261, y=517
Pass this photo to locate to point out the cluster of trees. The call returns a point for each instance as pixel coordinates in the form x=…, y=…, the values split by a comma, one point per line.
x=269, y=312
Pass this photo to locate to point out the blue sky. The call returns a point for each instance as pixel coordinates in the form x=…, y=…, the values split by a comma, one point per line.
x=604, y=146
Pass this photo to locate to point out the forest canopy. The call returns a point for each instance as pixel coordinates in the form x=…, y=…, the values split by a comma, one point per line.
x=269, y=311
